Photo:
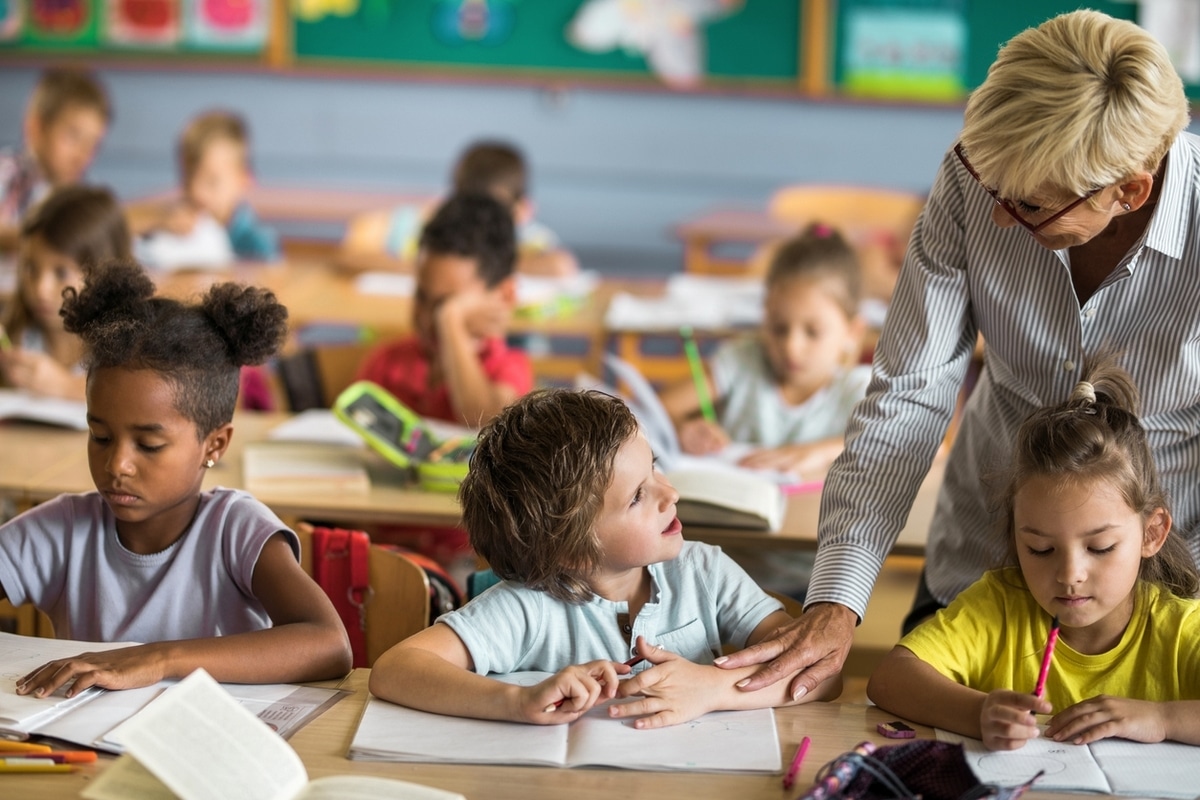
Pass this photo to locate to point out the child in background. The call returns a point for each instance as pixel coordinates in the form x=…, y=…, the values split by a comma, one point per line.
x=148, y=557
x=214, y=166
x=67, y=117
x=456, y=365
x=1092, y=540
x=486, y=167
x=69, y=233
x=791, y=389
x=564, y=502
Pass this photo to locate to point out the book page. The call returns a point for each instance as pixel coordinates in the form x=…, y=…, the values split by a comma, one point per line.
x=316, y=425
x=722, y=741
x=88, y=724
x=1163, y=769
x=126, y=779
x=16, y=404
x=388, y=732
x=1063, y=766
x=645, y=405
x=195, y=725
x=20, y=655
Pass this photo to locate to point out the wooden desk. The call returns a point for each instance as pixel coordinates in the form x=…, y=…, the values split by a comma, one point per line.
x=834, y=728
x=292, y=204
x=705, y=234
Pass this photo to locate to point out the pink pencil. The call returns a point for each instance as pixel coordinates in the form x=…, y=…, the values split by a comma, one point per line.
x=797, y=760
x=1050, y=642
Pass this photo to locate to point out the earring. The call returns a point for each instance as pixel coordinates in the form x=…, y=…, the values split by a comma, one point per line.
x=1126, y=206
x=209, y=464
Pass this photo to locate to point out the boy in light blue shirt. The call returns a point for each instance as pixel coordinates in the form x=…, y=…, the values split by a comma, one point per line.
x=564, y=502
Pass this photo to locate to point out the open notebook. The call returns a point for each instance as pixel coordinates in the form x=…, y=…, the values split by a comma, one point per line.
x=1111, y=766
x=723, y=741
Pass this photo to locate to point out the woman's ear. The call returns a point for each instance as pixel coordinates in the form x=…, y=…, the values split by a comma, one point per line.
x=1158, y=526
x=1135, y=191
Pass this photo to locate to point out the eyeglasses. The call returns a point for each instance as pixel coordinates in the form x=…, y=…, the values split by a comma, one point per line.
x=1007, y=204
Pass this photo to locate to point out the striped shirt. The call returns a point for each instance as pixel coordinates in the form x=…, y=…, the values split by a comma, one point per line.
x=963, y=276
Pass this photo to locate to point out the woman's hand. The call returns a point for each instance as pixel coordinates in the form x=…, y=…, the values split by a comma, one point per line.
x=570, y=693
x=126, y=668
x=1104, y=717
x=1007, y=719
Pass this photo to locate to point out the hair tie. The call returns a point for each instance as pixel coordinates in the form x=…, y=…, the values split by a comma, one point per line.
x=1084, y=391
x=822, y=231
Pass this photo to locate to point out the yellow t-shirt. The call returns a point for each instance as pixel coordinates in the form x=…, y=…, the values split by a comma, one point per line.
x=993, y=634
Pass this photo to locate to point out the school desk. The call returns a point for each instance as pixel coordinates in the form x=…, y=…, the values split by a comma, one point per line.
x=834, y=729
x=709, y=236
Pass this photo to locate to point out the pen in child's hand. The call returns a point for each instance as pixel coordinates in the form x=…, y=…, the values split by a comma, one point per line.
x=5, y=342
x=693, y=357
x=1051, y=640
x=633, y=662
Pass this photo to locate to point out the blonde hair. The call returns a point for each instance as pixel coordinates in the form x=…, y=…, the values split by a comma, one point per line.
x=1096, y=436
x=202, y=131
x=1079, y=102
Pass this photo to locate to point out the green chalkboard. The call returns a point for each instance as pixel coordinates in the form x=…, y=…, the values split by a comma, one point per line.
x=758, y=42
x=936, y=49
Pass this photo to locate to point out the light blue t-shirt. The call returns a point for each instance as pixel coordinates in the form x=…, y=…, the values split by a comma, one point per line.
x=64, y=556
x=698, y=602
x=754, y=410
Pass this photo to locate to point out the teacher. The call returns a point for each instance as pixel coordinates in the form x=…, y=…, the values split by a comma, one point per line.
x=1066, y=218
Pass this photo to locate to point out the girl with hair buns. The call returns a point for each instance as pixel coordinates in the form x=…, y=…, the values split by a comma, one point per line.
x=1090, y=529
x=149, y=557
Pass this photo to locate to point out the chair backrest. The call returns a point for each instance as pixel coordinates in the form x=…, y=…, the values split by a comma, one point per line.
x=397, y=602
x=855, y=210
x=314, y=376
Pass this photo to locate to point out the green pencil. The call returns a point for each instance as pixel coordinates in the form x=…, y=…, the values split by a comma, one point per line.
x=5, y=342
x=693, y=357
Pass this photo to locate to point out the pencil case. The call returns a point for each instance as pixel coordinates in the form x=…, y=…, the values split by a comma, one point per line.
x=389, y=427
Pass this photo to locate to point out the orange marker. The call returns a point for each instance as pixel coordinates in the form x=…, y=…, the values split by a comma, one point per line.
x=64, y=756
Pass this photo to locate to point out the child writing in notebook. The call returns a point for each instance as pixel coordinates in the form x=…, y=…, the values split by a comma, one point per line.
x=564, y=502
x=206, y=579
x=1091, y=537
x=67, y=117
x=386, y=238
x=456, y=365
x=790, y=389
x=71, y=231
x=214, y=167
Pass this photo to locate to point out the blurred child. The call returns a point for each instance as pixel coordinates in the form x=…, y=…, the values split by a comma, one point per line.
x=72, y=231
x=456, y=365
x=149, y=557
x=214, y=167
x=791, y=389
x=65, y=122
x=565, y=504
x=487, y=167
x=1091, y=538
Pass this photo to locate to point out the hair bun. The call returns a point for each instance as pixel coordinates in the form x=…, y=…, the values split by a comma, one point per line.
x=249, y=319
x=112, y=292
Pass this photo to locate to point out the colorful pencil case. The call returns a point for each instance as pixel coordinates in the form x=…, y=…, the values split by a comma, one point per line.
x=391, y=428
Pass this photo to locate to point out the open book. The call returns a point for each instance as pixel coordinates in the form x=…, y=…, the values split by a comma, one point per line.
x=292, y=466
x=196, y=742
x=723, y=741
x=713, y=490
x=89, y=717
x=1110, y=766
x=18, y=404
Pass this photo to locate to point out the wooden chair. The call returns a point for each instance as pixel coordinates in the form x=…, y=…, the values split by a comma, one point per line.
x=397, y=604
x=313, y=377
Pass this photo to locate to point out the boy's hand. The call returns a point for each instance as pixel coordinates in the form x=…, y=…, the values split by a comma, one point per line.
x=570, y=693
x=35, y=372
x=484, y=314
x=675, y=690
x=1007, y=719
x=126, y=668
x=1103, y=717
x=179, y=219
x=700, y=437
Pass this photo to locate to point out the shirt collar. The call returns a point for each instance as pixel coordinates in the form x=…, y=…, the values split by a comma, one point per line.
x=1168, y=229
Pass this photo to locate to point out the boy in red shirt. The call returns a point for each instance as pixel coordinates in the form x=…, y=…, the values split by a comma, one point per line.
x=455, y=366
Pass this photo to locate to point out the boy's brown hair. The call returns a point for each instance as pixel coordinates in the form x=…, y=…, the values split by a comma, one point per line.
x=536, y=486
x=203, y=130
x=61, y=87
x=819, y=251
x=491, y=167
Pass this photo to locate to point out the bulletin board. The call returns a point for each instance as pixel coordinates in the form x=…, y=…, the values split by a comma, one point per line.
x=723, y=41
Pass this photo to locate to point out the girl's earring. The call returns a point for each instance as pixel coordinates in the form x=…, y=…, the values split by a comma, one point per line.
x=209, y=464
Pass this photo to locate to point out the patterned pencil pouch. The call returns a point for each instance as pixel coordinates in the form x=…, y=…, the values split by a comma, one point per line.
x=923, y=768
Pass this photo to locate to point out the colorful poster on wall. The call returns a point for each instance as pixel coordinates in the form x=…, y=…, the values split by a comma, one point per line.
x=227, y=24
x=10, y=20
x=142, y=23
x=61, y=23
x=915, y=50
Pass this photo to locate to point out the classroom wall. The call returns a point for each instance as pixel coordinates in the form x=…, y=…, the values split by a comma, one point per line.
x=612, y=170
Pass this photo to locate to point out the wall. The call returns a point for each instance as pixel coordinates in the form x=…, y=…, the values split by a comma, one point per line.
x=612, y=170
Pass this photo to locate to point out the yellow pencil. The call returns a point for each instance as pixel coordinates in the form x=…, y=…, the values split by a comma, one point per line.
x=7, y=746
x=33, y=765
